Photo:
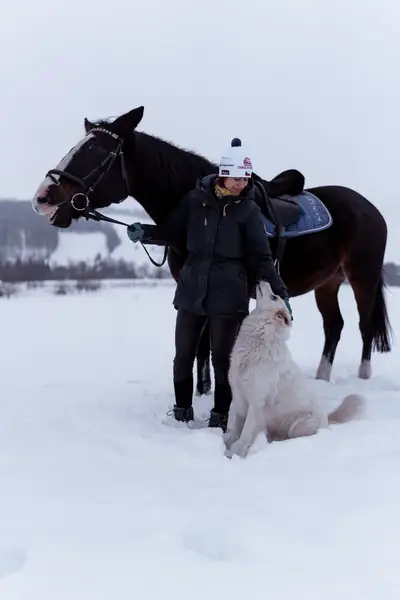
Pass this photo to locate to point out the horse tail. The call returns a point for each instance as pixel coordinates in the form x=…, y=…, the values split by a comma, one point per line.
x=381, y=328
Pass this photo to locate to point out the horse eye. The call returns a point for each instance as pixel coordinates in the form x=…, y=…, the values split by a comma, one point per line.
x=273, y=297
x=95, y=148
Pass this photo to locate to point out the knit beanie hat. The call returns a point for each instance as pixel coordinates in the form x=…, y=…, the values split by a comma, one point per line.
x=235, y=162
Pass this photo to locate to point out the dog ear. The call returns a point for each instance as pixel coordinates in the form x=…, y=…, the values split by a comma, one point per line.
x=282, y=318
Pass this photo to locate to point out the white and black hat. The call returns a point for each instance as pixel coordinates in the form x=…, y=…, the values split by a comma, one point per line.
x=235, y=162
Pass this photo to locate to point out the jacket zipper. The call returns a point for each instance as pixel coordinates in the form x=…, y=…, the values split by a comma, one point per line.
x=223, y=211
x=205, y=217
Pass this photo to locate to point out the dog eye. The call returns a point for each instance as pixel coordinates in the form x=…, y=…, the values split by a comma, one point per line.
x=273, y=297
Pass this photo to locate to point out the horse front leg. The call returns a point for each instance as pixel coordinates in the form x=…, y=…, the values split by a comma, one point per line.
x=203, y=363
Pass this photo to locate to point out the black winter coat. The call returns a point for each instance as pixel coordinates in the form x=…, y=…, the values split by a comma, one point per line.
x=225, y=240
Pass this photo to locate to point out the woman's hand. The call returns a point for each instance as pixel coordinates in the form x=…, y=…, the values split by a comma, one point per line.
x=286, y=301
x=135, y=232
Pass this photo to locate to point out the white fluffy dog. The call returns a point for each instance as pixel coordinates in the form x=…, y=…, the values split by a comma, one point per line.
x=269, y=392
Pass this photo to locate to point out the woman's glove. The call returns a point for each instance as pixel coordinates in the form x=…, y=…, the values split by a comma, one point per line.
x=135, y=232
x=286, y=301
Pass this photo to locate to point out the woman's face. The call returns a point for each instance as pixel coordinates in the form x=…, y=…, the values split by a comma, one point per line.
x=235, y=184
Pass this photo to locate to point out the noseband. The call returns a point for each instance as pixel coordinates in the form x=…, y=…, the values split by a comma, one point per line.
x=81, y=200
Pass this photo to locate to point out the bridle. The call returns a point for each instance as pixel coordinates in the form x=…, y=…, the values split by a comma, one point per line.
x=98, y=172
x=81, y=200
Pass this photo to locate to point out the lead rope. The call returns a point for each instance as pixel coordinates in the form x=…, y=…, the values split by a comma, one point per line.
x=95, y=215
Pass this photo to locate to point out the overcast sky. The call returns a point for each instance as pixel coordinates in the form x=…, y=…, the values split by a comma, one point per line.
x=306, y=84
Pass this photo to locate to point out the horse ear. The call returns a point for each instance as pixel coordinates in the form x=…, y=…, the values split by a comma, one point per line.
x=127, y=123
x=88, y=125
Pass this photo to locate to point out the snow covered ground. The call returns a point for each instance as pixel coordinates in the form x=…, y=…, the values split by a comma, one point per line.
x=102, y=497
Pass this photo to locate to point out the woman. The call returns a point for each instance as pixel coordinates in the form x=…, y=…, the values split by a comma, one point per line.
x=220, y=227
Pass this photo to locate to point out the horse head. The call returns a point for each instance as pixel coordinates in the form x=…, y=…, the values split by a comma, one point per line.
x=92, y=173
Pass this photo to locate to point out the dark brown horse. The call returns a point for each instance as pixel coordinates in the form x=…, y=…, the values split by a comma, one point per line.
x=115, y=161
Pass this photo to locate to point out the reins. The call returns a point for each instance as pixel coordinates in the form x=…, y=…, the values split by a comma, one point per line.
x=95, y=215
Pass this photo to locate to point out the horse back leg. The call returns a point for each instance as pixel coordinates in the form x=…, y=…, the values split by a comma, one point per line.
x=326, y=297
x=203, y=363
x=365, y=274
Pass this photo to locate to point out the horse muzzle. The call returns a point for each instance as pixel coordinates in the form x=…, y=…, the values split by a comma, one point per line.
x=42, y=206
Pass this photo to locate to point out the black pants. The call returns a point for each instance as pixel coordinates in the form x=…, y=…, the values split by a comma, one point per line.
x=188, y=330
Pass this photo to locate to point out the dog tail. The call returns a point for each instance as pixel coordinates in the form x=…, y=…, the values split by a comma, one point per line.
x=351, y=407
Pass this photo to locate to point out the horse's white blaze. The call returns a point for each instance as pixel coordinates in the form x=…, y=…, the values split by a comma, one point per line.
x=43, y=189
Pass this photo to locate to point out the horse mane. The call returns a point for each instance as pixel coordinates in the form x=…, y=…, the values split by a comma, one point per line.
x=161, y=173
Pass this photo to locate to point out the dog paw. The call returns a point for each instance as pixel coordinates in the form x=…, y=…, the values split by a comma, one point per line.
x=228, y=454
x=229, y=438
x=240, y=450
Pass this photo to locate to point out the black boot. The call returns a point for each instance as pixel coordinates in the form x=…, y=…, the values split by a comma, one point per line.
x=183, y=410
x=222, y=402
x=218, y=420
x=183, y=414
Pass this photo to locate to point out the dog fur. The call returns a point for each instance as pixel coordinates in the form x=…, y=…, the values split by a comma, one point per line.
x=269, y=392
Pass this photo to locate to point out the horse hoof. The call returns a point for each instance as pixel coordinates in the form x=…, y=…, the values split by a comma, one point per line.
x=364, y=371
x=319, y=378
x=324, y=370
x=203, y=390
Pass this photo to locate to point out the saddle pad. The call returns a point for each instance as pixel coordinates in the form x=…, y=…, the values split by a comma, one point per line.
x=314, y=217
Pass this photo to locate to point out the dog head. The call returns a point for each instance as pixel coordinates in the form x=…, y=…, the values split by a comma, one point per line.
x=273, y=308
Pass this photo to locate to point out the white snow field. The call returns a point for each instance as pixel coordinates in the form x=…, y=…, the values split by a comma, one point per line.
x=103, y=497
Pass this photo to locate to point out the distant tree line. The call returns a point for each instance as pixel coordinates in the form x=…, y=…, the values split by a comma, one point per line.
x=391, y=274
x=34, y=269
x=23, y=233
x=19, y=271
